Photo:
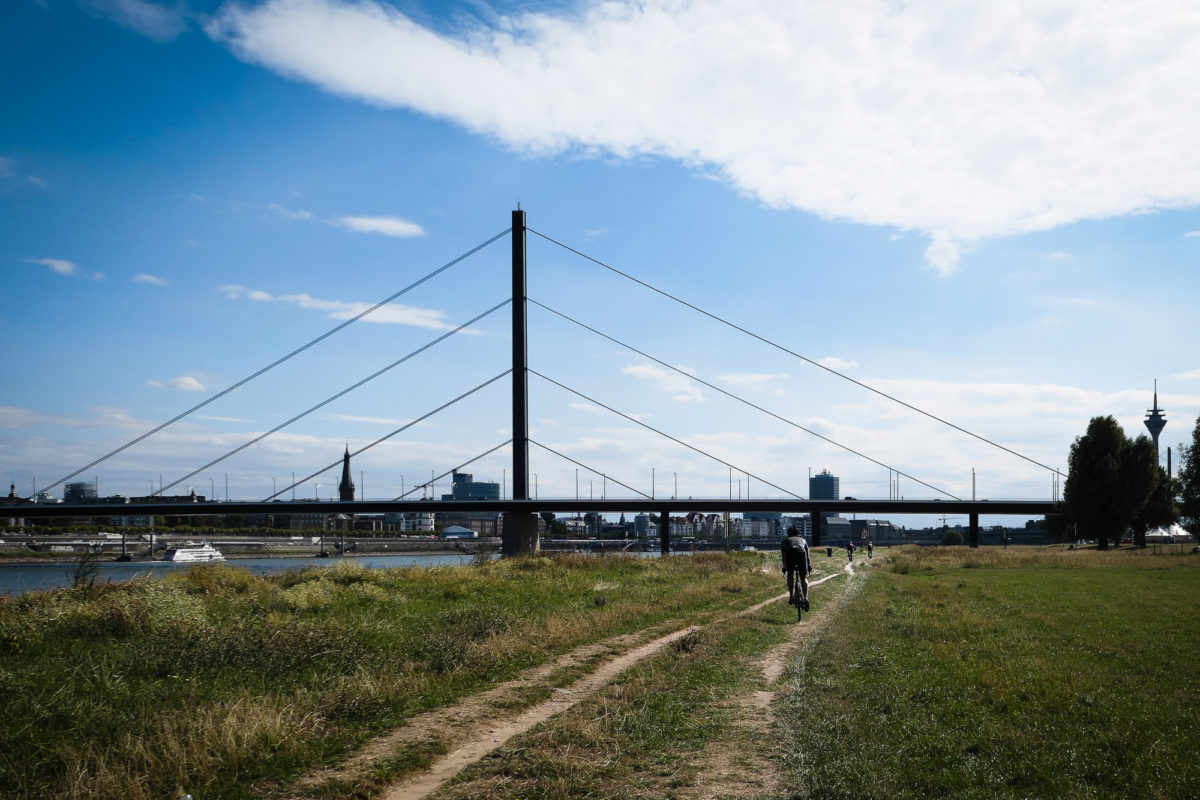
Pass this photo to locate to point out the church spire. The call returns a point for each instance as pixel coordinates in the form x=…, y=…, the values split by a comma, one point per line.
x=346, y=485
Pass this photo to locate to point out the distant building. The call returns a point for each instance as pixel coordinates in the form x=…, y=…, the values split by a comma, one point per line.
x=80, y=492
x=346, y=484
x=410, y=521
x=828, y=487
x=462, y=487
x=488, y=525
x=802, y=524
x=13, y=499
x=773, y=519
x=642, y=526
x=824, y=486
x=876, y=530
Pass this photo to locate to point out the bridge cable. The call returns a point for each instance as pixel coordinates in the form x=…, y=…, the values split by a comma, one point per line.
x=331, y=398
x=452, y=470
x=276, y=363
x=792, y=352
x=591, y=469
x=385, y=437
x=740, y=399
x=666, y=435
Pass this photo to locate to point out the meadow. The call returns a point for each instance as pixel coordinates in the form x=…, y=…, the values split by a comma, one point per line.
x=229, y=685
x=1004, y=674
x=933, y=672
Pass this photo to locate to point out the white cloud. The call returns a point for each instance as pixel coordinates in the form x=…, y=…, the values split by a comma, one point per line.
x=153, y=280
x=960, y=122
x=289, y=213
x=833, y=362
x=59, y=265
x=665, y=380
x=66, y=268
x=387, y=226
x=235, y=292
x=758, y=381
x=368, y=420
x=1191, y=375
x=1192, y=235
x=942, y=253
x=392, y=313
x=10, y=176
x=158, y=22
x=184, y=383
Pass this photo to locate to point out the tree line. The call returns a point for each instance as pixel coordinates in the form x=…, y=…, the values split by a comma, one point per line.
x=1115, y=486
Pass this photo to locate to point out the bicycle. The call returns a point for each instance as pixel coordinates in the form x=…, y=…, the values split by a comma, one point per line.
x=796, y=594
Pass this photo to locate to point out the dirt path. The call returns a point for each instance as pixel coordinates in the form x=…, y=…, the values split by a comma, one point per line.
x=479, y=724
x=501, y=730
x=748, y=773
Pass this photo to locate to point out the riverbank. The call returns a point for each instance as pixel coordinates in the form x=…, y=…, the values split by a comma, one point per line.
x=229, y=684
x=235, y=550
x=234, y=556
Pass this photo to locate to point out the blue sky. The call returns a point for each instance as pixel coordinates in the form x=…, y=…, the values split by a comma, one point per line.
x=992, y=215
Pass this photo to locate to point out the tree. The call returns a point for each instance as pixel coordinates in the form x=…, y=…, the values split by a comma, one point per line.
x=951, y=537
x=1160, y=509
x=1058, y=525
x=1109, y=480
x=1189, y=481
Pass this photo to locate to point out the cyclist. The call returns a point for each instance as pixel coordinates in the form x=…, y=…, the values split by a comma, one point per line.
x=870, y=549
x=849, y=551
x=794, y=552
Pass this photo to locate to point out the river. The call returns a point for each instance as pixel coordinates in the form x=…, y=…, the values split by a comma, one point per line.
x=17, y=579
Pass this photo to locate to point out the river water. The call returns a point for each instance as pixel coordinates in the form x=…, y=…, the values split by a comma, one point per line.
x=17, y=579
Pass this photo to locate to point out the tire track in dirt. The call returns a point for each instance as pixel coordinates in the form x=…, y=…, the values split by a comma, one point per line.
x=776, y=659
x=749, y=773
x=477, y=726
x=421, y=785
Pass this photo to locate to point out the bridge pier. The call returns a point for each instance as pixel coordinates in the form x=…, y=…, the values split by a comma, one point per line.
x=973, y=534
x=520, y=534
x=664, y=533
x=816, y=529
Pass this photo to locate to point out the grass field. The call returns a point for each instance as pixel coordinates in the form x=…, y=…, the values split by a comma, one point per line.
x=941, y=672
x=229, y=684
x=1003, y=674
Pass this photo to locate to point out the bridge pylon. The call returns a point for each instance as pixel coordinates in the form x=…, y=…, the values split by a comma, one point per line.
x=520, y=529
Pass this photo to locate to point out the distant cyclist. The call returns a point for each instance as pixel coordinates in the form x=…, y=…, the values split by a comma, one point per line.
x=870, y=549
x=849, y=551
x=794, y=552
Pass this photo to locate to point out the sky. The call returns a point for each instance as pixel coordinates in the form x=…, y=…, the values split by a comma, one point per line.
x=988, y=212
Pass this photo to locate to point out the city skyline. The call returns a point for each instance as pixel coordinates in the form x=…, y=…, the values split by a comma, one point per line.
x=990, y=216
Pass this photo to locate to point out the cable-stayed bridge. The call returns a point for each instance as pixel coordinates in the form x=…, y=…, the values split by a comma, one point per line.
x=520, y=512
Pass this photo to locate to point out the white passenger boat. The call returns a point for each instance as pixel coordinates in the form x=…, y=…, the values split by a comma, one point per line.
x=193, y=553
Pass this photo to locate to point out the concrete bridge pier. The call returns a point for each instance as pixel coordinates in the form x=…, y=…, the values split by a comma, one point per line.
x=973, y=534
x=520, y=534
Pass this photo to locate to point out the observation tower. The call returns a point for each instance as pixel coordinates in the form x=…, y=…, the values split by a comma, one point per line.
x=1155, y=421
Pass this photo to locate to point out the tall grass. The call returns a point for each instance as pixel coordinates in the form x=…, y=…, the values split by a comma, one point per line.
x=230, y=685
